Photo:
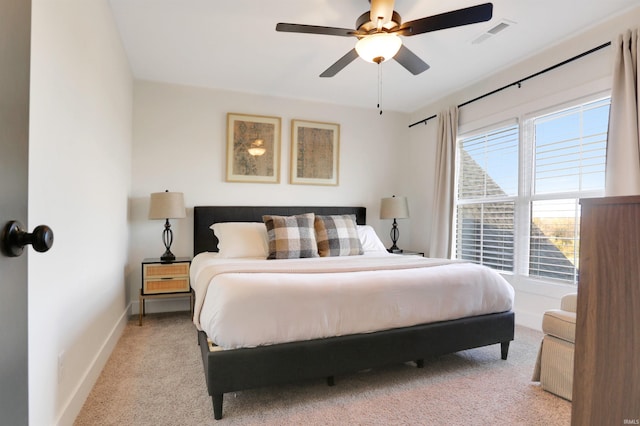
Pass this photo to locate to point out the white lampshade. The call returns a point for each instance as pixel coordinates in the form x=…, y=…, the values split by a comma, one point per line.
x=394, y=208
x=378, y=45
x=167, y=205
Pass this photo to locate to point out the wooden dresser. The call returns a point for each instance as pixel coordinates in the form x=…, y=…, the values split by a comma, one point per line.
x=606, y=380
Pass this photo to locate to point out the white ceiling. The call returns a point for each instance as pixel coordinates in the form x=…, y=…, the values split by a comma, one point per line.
x=233, y=45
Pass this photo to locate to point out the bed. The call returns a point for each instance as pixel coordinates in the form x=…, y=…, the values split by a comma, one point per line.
x=233, y=366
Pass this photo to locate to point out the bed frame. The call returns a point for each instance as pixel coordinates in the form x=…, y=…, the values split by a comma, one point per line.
x=238, y=369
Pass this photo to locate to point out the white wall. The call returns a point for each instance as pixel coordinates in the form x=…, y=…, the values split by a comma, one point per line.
x=587, y=75
x=79, y=181
x=180, y=145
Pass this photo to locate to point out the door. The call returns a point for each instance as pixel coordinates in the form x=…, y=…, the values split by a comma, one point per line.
x=15, y=29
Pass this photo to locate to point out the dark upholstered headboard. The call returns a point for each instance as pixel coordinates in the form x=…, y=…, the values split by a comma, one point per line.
x=205, y=216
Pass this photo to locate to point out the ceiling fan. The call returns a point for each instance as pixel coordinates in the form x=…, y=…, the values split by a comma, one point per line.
x=378, y=32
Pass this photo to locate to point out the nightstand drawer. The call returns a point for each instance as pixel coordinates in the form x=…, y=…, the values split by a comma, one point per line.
x=167, y=285
x=165, y=277
x=169, y=270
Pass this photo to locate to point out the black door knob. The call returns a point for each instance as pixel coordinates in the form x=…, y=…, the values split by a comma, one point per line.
x=14, y=238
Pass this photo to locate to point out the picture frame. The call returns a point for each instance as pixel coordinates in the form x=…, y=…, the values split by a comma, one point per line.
x=315, y=153
x=253, y=148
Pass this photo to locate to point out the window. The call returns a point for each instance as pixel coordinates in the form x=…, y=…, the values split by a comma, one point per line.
x=487, y=190
x=518, y=187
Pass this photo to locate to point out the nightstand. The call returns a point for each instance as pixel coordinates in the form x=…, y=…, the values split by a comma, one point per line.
x=163, y=280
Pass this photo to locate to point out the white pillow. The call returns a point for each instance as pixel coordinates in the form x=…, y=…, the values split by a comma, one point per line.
x=241, y=239
x=369, y=239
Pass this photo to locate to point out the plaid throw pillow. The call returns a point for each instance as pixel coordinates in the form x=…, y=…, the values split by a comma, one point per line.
x=291, y=237
x=337, y=235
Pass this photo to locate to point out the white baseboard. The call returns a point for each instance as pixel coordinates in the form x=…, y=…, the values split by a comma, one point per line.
x=79, y=395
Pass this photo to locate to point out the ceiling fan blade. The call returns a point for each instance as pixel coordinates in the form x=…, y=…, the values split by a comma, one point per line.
x=410, y=61
x=340, y=64
x=455, y=18
x=315, y=29
x=381, y=9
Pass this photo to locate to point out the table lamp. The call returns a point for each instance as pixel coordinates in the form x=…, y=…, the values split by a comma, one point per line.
x=394, y=208
x=167, y=205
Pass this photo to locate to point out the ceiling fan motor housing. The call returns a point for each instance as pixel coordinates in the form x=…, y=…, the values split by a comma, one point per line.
x=365, y=24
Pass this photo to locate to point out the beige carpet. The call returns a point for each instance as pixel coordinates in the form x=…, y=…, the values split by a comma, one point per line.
x=155, y=377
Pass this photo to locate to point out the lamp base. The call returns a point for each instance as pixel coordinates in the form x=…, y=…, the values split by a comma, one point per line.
x=167, y=238
x=394, y=234
x=167, y=256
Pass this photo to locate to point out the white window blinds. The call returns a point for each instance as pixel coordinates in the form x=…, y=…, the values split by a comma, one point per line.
x=570, y=153
x=518, y=190
x=488, y=164
x=487, y=183
x=570, y=149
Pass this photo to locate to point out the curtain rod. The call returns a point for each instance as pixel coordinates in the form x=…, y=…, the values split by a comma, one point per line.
x=519, y=82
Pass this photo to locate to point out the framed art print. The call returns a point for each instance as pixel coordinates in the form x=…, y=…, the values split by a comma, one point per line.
x=253, y=148
x=315, y=152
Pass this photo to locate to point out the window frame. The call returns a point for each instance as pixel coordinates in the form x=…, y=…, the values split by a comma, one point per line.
x=487, y=200
x=525, y=197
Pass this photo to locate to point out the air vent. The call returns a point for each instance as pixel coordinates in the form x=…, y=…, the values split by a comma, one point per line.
x=491, y=32
x=501, y=26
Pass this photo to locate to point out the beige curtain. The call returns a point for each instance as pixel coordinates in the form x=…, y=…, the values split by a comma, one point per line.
x=623, y=146
x=442, y=221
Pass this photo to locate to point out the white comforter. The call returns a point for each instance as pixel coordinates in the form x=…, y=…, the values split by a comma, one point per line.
x=253, y=302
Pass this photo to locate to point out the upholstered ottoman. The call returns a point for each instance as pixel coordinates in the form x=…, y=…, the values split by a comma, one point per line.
x=554, y=366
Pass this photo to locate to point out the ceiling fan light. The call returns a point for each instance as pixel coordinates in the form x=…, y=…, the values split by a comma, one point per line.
x=378, y=45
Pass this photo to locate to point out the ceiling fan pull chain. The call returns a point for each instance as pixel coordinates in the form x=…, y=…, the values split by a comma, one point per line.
x=380, y=87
